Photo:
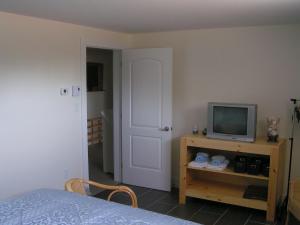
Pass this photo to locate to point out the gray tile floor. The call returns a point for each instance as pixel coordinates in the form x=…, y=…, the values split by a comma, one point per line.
x=96, y=167
x=199, y=211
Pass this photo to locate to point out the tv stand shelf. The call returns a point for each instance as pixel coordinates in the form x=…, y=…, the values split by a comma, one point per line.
x=228, y=186
x=229, y=171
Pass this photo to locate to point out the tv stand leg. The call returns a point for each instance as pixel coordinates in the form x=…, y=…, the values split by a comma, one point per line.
x=272, y=186
x=183, y=166
x=182, y=198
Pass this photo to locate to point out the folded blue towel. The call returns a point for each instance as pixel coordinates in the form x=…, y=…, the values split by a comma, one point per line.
x=218, y=157
x=217, y=160
x=220, y=167
x=201, y=157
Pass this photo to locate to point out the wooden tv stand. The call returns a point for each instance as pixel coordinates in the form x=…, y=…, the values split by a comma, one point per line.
x=228, y=186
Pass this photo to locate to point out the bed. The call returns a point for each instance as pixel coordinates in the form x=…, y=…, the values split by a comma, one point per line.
x=56, y=207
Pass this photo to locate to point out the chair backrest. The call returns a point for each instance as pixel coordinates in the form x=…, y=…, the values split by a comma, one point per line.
x=75, y=185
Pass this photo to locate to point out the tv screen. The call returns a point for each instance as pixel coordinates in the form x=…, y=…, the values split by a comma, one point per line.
x=230, y=120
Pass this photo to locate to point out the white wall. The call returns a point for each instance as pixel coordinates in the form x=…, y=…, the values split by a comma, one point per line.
x=95, y=103
x=249, y=65
x=40, y=131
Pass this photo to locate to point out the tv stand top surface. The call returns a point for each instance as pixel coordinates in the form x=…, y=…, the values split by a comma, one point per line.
x=260, y=146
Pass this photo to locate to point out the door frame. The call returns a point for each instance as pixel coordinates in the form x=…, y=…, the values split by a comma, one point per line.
x=117, y=109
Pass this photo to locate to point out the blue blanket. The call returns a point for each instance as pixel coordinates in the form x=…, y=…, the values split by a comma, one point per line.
x=54, y=207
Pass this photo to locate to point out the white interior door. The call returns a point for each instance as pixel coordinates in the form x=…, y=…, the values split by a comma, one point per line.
x=147, y=117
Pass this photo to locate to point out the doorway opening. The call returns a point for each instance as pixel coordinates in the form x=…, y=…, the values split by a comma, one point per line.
x=99, y=86
x=140, y=118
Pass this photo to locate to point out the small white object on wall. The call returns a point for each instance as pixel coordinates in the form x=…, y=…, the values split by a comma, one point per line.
x=64, y=91
x=76, y=91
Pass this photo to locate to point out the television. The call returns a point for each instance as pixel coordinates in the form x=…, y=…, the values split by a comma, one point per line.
x=232, y=121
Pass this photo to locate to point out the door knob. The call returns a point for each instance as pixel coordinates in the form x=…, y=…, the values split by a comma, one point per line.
x=164, y=129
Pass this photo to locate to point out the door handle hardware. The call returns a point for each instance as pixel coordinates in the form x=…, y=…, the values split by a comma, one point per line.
x=165, y=129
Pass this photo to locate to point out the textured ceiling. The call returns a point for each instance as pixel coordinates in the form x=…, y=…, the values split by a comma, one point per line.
x=159, y=15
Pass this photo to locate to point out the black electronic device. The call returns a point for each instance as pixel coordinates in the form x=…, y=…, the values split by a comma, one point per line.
x=240, y=164
x=256, y=192
x=254, y=166
x=265, y=167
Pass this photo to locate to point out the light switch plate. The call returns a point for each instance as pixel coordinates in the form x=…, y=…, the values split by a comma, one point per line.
x=76, y=91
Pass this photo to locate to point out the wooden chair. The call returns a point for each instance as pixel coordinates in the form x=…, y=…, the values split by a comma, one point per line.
x=77, y=185
x=294, y=200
